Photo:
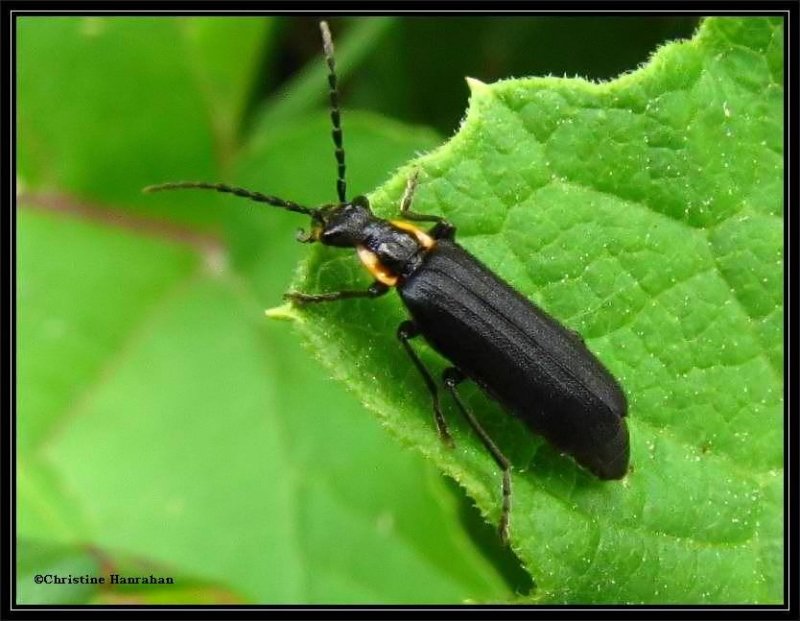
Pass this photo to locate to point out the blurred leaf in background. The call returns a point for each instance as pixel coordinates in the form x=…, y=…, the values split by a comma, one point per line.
x=163, y=425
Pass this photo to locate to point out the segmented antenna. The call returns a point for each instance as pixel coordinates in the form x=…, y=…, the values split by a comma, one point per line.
x=258, y=197
x=327, y=47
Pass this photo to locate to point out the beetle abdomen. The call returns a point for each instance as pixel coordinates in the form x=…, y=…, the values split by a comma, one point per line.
x=532, y=365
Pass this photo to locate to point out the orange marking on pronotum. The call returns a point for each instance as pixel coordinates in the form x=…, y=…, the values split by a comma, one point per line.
x=375, y=267
x=425, y=240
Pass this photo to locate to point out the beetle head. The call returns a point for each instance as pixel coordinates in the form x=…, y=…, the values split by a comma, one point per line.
x=340, y=224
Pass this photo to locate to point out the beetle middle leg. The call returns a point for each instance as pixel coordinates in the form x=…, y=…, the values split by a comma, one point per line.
x=405, y=332
x=452, y=377
x=442, y=229
x=375, y=290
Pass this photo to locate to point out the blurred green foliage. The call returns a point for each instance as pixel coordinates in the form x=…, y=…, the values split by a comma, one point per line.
x=164, y=426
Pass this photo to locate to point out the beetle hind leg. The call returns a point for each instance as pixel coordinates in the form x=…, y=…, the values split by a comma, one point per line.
x=405, y=332
x=452, y=377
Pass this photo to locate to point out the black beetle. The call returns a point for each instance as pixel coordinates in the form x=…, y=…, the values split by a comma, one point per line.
x=533, y=366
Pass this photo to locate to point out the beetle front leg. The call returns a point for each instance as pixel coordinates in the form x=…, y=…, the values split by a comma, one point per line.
x=375, y=290
x=452, y=378
x=405, y=332
x=441, y=230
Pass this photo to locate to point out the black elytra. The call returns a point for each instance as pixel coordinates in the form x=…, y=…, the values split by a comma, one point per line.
x=537, y=369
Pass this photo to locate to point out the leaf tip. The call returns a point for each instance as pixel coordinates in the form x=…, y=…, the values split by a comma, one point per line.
x=476, y=87
x=285, y=312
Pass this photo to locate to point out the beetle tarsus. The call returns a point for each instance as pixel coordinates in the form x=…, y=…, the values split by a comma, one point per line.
x=408, y=195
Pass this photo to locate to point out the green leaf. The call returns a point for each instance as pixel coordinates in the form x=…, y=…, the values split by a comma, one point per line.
x=646, y=213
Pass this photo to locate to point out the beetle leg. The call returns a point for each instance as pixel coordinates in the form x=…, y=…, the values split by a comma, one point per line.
x=405, y=332
x=375, y=290
x=452, y=378
x=442, y=228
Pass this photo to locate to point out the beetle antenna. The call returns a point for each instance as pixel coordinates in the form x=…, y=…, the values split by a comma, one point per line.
x=258, y=197
x=327, y=47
